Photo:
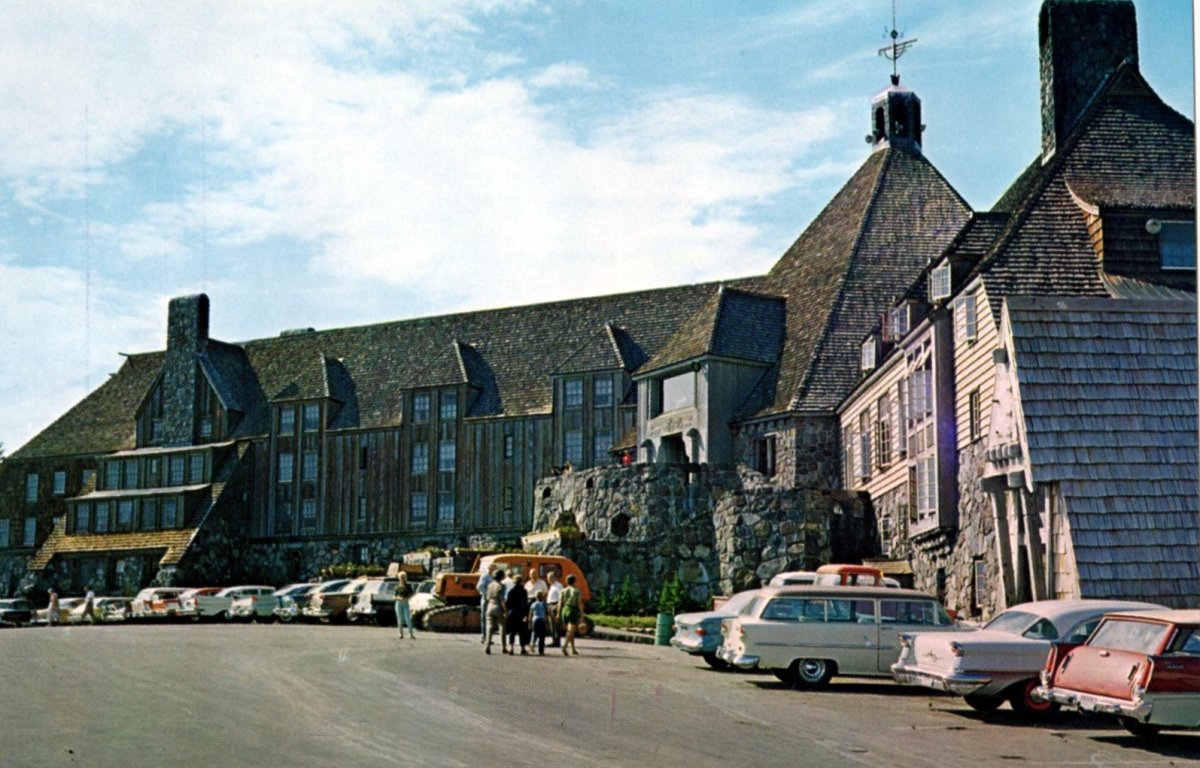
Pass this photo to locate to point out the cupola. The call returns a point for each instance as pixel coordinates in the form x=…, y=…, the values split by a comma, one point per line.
x=896, y=118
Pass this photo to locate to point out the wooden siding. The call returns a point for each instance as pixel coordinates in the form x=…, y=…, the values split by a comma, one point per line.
x=974, y=369
x=895, y=475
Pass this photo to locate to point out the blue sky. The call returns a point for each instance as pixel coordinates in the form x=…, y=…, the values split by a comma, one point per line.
x=328, y=164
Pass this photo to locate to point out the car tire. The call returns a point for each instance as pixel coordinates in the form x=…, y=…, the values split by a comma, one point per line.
x=1020, y=696
x=1140, y=729
x=812, y=673
x=712, y=660
x=982, y=703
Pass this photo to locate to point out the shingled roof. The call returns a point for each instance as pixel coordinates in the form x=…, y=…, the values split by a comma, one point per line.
x=509, y=354
x=734, y=324
x=894, y=215
x=1108, y=393
x=1129, y=149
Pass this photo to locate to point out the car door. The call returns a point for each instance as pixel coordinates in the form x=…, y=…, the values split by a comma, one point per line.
x=851, y=635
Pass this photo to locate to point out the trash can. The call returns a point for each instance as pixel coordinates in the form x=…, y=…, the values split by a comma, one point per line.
x=662, y=629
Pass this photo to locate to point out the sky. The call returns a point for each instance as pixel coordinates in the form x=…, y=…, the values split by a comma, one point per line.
x=327, y=164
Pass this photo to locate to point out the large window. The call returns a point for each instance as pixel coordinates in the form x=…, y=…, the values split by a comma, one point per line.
x=308, y=513
x=175, y=467
x=679, y=392
x=312, y=417
x=419, y=509
x=939, y=283
x=170, y=513
x=602, y=393
x=420, y=458
x=421, y=408
x=101, y=525
x=573, y=447
x=864, y=445
x=196, y=470
x=125, y=515
x=149, y=514
x=31, y=487
x=445, y=508
x=309, y=471
x=509, y=445
x=83, y=518
x=573, y=393
x=447, y=450
x=448, y=406
x=287, y=421
x=1177, y=244
x=286, y=467
x=601, y=444
x=60, y=483
x=883, y=432
x=30, y=531
x=112, y=475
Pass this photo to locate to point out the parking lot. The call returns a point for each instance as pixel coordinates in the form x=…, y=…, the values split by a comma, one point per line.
x=218, y=694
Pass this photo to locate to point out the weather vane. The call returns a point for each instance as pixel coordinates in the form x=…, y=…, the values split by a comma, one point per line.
x=897, y=48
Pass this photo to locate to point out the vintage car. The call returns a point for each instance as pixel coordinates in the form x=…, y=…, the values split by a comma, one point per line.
x=331, y=600
x=1001, y=661
x=208, y=603
x=376, y=602
x=838, y=575
x=699, y=634
x=109, y=609
x=291, y=600
x=252, y=603
x=806, y=635
x=1143, y=667
x=792, y=578
x=65, y=606
x=16, y=612
x=423, y=597
x=156, y=602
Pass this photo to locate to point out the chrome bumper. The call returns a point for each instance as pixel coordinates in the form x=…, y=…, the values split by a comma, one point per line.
x=962, y=683
x=739, y=660
x=1089, y=702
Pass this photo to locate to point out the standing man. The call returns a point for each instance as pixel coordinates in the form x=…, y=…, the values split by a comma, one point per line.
x=553, y=596
x=482, y=586
x=535, y=584
x=52, y=616
x=89, y=607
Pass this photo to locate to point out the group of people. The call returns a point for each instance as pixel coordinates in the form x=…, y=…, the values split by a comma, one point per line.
x=528, y=611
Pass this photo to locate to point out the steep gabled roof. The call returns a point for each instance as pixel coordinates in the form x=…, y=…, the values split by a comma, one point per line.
x=1108, y=393
x=892, y=217
x=733, y=324
x=1128, y=149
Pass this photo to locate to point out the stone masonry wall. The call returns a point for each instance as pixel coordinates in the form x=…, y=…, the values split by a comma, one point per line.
x=723, y=528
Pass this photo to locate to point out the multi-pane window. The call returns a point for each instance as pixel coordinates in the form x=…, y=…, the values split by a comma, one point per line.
x=170, y=513
x=60, y=483
x=883, y=432
x=902, y=408
x=446, y=508
x=287, y=421
x=312, y=417
x=939, y=283
x=867, y=362
x=509, y=446
x=112, y=475
x=573, y=393
x=83, y=518
x=125, y=515
x=309, y=471
x=974, y=415
x=101, y=525
x=573, y=447
x=4, y=533
x=30, y=531
x=420, y=509
x=285, y=467
x=149, y=514
x=966, y=324
x=131, y=473
x=679, y=392
x=446, y=455
x=926, y=487
x=31, y=487
x=898, y=321
x=507, y=498
x=602, y=392
x=420, y=408
x=175, y=467
x=420, y=458
x=448, y=406
x=864, y=445
x=308, y=512
x=196, y=470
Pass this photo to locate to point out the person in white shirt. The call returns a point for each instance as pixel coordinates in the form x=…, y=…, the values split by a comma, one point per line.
x=535, y=584
x=553, y=595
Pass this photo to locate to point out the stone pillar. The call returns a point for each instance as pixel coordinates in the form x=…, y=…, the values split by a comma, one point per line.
x=187, y=337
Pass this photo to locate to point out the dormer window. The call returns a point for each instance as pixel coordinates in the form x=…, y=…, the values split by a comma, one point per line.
x=966, y=325
x=897, y=323
x=939, y=283
x=869, y=349
x=1176, y=242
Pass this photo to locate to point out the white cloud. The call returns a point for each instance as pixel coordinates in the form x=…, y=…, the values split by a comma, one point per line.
x=564, y=75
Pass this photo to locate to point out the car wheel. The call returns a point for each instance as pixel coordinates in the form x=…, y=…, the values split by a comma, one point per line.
x=982, y=703
x=225, y=615
x=1021, y=698
x=813, y=673
x=284, y=618
x=713, y=661
x=1144, y=730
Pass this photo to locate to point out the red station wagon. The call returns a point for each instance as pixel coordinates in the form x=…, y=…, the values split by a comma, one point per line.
x=1143, y=667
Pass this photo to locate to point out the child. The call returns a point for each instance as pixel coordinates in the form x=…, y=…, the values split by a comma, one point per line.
x=537, y=620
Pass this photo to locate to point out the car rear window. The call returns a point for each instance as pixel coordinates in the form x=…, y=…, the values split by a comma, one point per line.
x=1187, y=641
x=1126, y=635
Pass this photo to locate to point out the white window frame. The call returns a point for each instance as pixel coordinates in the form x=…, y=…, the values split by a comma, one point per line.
x=939, y=283
x=867, y=359
x=966, y=317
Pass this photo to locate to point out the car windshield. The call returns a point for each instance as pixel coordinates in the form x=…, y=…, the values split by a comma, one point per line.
x=1012, y=622
x=426, y=587
x=1125, y=635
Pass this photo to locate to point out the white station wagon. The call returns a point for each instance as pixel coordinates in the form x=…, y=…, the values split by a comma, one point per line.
x=806, y=635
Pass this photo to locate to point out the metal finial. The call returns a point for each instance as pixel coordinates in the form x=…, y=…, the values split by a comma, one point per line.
x=897, y=48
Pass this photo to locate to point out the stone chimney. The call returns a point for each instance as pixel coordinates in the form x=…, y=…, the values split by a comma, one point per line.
x=1082, y=42
x=187, y=337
